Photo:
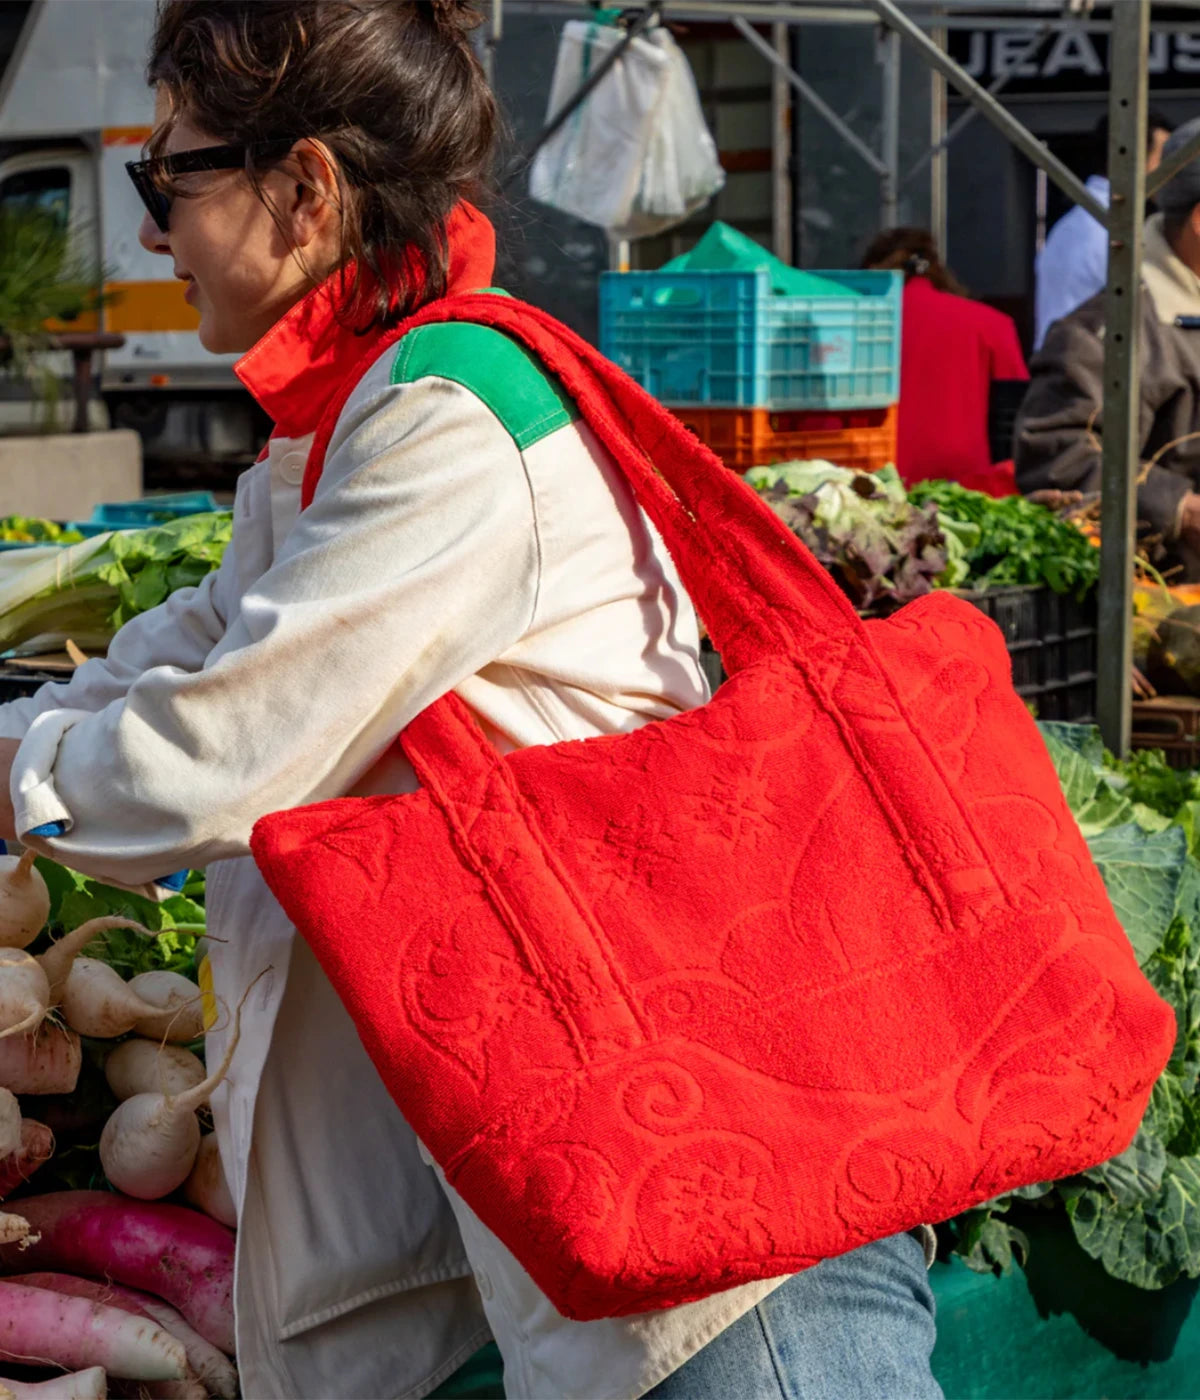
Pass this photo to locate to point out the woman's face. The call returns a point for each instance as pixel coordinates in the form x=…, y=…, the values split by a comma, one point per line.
x=240, y=269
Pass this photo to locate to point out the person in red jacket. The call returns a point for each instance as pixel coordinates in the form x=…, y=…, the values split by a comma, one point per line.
x=961, y=368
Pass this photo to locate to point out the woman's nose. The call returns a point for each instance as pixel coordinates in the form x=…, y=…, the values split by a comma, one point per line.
x=151, y=237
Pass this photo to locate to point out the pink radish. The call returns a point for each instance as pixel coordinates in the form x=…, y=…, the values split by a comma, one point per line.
x=178, y=1254
x=91, y=1384
x=57, y=960
x=97, y=1002
x=24, y=992
x=149, y=1145
x=10, y=1123
x=24, y=900
x=181, y=1017
x=206, y=1188
x=36, y=1146
x=47, y=1061
x=139, y=1066
x=38, y=1327
x=211, y=1366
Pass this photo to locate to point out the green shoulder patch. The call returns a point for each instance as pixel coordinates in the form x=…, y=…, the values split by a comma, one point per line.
x=530, y=403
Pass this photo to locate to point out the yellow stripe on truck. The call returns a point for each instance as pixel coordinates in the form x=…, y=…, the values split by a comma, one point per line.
x=148, y=306
x=126, y=135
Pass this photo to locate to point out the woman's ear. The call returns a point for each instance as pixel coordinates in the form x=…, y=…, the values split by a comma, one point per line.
x=314, y=199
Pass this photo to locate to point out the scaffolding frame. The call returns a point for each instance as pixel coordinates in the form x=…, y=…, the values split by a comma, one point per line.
x=923, y=25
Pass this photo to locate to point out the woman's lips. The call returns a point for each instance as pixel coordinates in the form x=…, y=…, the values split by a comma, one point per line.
x=190, y=288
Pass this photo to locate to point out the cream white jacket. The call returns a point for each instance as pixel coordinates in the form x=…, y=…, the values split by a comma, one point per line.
x=436, y=554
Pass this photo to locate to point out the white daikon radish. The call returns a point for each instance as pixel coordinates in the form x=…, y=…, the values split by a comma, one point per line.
x=14, y=1229
x=206, y=1187
x=58, y=959
x=91, y=1384
x=10, y=1123
x=96, y=1001
x=181, y=1017
x=24, y=992
x=149, y=1144
x=139, y=1066
x=24, y=900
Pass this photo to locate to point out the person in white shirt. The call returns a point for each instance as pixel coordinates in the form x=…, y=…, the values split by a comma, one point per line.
x=1073, y=265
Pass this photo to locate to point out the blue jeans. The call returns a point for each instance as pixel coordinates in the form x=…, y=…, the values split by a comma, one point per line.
x=859, y=1327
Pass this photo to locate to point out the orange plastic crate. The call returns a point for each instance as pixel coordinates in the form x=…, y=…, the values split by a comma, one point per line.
x=861, y=439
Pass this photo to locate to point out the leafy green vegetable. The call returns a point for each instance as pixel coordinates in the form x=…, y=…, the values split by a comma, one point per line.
x=88, y=590
x=1019, y=542
x=75, y=898
x=30, y=529
x=1139, y=1213
x=861, y=527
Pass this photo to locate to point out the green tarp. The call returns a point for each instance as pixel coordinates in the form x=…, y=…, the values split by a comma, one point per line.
x=724, y=249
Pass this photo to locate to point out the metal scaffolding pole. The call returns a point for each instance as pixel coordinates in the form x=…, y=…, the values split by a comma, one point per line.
x=889, y=57
x=1129, y=48
x=810, y=95
x=939, y=155
x=998, y=115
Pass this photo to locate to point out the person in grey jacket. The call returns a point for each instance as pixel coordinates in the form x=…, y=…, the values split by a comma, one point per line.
x=1057, y=445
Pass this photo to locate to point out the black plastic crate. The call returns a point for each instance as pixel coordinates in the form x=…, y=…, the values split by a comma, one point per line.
x=1170, y=723
x=1051, y=640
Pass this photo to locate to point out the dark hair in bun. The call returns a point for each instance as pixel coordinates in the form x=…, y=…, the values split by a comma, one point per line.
x=392, y=88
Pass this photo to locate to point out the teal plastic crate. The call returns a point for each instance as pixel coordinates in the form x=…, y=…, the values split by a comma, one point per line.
x=724, y=339
x=150, y=510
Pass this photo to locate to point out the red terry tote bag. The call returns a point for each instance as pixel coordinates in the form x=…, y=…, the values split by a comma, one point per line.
x=711, y=1001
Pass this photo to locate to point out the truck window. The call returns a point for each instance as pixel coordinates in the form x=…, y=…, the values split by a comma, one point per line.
x=47, y=190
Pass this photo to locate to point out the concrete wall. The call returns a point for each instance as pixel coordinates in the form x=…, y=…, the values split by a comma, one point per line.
x=62, y=476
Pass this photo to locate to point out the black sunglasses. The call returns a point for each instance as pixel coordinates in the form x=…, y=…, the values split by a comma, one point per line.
x=146, y=174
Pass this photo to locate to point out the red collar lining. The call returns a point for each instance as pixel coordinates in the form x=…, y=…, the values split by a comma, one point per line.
x=297, y=367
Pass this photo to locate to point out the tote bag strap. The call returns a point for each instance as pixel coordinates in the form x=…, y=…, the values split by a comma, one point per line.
x=759, y=591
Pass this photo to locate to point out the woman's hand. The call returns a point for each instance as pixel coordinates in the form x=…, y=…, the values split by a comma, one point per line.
x=8, y=821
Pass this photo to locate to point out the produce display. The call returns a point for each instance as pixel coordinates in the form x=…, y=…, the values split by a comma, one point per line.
x=1138, y=1214
x=30, y=529
x=86, y=591
x=1019, y=541
x=864, y=529
x=116, y=1246
x=885, y=544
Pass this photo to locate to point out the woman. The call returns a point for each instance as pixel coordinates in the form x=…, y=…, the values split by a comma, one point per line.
x=959, y=362
x=309, y=172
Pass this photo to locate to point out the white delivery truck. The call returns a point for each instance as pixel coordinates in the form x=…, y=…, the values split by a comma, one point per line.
x=74, y=107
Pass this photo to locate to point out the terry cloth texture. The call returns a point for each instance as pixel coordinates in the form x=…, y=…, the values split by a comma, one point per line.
x=655, y=1022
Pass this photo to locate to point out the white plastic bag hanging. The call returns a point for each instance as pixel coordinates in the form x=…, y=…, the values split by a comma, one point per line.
x=636, y=156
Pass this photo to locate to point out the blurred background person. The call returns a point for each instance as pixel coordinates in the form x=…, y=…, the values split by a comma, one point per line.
x=961, y=370
x=1073, y=264
x=1060, y=428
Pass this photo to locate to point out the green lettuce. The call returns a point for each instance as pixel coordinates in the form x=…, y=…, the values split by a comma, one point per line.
x=89, y=590
x=861, y=527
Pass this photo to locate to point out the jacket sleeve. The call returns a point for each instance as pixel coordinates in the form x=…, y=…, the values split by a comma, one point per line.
x=1058, y=430
x=415, y=565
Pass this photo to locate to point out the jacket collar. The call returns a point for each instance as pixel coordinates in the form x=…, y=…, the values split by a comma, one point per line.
x=296, y=368
x=1173, y=286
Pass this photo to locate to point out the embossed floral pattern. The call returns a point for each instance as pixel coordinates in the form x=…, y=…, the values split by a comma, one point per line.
x=708, y=1002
